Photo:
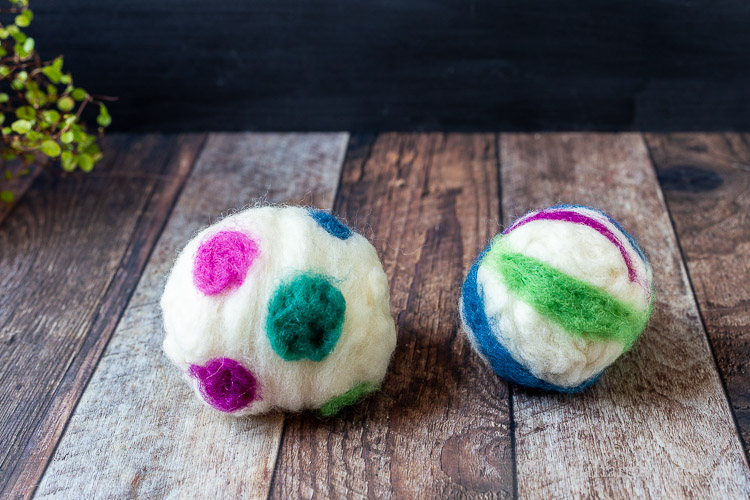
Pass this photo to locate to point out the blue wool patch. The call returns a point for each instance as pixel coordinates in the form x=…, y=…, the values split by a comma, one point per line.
x=331, y=224
x=501, y=360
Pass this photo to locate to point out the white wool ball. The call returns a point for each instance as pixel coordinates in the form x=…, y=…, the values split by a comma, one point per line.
x=279, y=308
x=557, y=298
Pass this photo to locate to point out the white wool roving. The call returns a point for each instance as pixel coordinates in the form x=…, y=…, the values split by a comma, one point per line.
x=279, y=308
x=557, y=298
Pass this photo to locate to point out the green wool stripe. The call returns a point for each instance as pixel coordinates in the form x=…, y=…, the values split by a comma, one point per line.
x=579, y=307
x=350, y=397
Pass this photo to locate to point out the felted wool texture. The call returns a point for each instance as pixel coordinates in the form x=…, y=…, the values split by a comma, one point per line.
x=352, y=396
x=233, y=324
x=557, y=298
x=305, y=317
x=222, y=261
x=225, y=384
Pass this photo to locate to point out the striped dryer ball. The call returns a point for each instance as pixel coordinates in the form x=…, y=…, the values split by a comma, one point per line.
x=279, y=308
x=557, y=297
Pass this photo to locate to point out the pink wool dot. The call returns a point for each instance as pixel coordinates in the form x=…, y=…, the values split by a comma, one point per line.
x=222, y=261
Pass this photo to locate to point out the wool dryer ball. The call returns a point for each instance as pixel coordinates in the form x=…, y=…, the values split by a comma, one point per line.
x=279, y=308
x=557, y=297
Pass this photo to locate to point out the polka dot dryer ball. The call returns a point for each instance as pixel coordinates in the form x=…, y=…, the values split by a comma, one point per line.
x=279, y=308
x=557, y=297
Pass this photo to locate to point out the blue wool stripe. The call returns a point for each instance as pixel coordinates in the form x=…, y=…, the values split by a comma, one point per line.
x=331, y=224
x=636, y=246
x=501, y=360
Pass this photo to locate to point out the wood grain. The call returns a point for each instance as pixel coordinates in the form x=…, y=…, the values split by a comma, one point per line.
x=439, y=427
x=657, y=424
x=70, y=256
x=706, y=182
x=138, y=429
x=18, y=186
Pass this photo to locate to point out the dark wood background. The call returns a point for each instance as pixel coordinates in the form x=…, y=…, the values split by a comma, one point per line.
x=364, y=65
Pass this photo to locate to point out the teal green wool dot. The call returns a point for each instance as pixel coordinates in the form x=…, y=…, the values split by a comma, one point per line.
x=305, y=316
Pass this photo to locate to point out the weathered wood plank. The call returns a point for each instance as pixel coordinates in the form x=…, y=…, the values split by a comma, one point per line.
x=70, y=256
x=138, y=429
x=18, y=186
x=439, y=427
x=657, y=424
x=706, y=181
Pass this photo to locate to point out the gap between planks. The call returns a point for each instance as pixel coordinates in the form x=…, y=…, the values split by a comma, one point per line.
x=66, y=322
x=657, y=424
x=439, y=427
x=136, y=410
x=706, y=181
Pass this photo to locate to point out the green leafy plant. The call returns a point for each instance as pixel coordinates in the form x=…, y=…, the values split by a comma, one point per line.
x=40, y=107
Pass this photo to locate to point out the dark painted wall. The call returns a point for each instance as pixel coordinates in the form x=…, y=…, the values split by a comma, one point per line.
x=408, y=64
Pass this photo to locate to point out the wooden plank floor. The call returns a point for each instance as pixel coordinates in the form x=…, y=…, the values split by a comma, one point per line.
x=90, y=407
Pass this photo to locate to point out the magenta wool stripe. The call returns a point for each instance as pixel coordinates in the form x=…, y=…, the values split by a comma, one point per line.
x=577, y=218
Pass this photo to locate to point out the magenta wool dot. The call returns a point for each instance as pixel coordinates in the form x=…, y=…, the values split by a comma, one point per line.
x=226, y=385
x=222, y=261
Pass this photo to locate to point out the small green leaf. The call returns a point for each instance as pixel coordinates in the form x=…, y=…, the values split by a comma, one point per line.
x=103, y=119
x=4, y=33
x=51, y=116
x=4, y=70
x=6, y=130
x=26, y=113
x=79, y=94
x=85, y=162
x=50, y=148
x=4, y=97
x=67, y=161
x=2, y=118
x=53, y=73
x=15, y=33
x=21, y=126
x=67, y=137
x=7, y=196
x=22, y=20
x=66, y=79
x=25, y=46
x=36, y=98
x=65, y=103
